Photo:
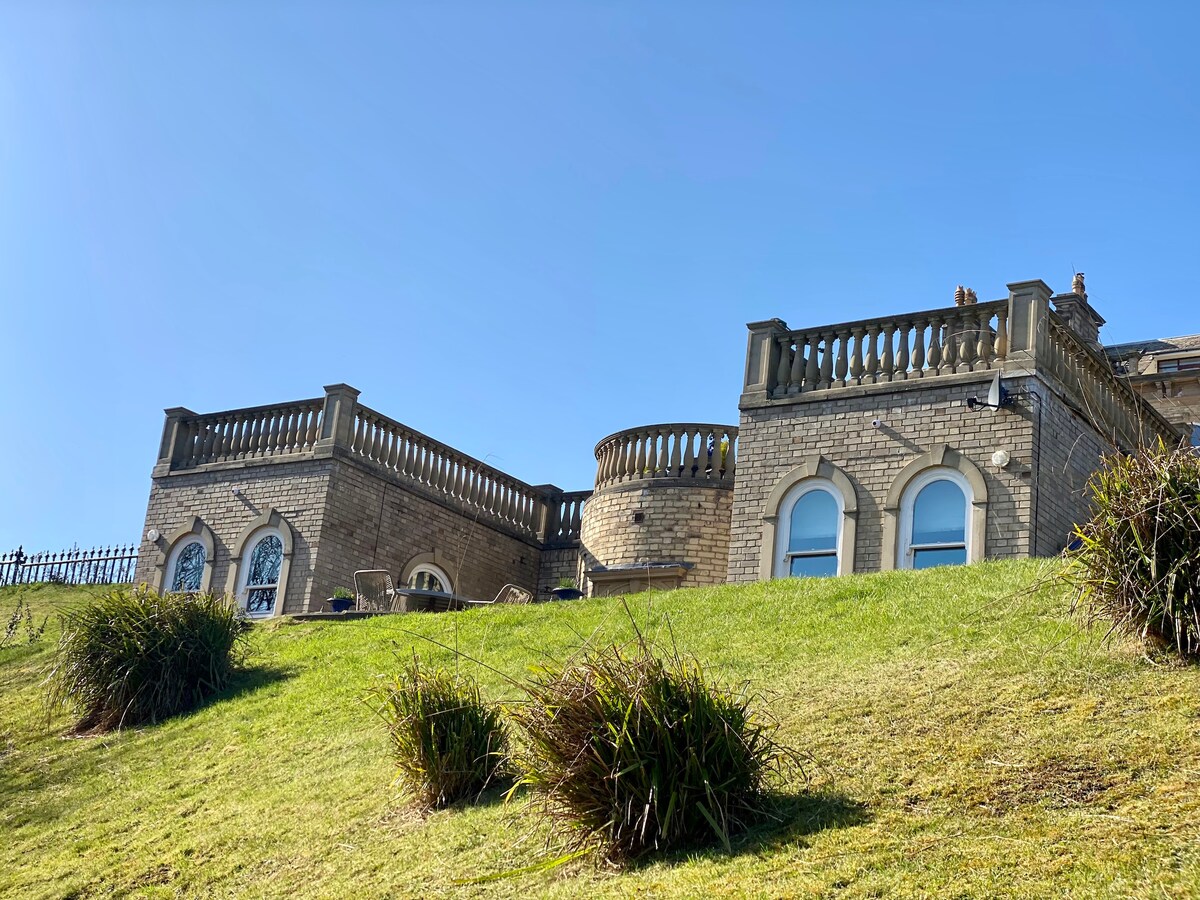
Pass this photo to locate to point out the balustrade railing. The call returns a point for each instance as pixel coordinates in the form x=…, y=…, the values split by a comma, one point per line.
x=1109, y=401
x=688, y=451
x=440, y=469
x=969, y=338
x=252, y=433
x=564, y=517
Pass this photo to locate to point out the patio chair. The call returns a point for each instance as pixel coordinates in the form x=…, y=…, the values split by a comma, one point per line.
x=510, y=593
x=375, y=592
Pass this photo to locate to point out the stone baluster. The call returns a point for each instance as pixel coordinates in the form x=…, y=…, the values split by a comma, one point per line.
x=811, y=368
x=842, y=368
x=639, y=463
x=871, y=357
x=676, y=465
x=934, y=355
x=949, y=348
x=796, y=372
x=783, y=374
x=856, y=357
x=966, y=342
x=689, y=455
x=902, y=340
x=917, y=369
x=983, y=350
x=826, y=377
x=1002, y=335
x=887, y=363
x=663, y=439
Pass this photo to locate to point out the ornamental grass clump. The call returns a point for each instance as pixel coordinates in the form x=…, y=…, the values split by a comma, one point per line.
x=132, y=657
x=634, y=753
x=1137, y=562
x=448, y=744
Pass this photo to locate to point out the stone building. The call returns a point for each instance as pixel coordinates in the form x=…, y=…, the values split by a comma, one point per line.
x=927, y=438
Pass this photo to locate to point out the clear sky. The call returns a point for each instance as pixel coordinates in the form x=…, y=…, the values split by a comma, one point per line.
x=518, y=227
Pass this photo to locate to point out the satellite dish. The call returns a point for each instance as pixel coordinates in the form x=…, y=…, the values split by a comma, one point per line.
x=997, y=396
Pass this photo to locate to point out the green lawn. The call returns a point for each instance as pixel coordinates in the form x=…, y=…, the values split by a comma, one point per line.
x=967, y=738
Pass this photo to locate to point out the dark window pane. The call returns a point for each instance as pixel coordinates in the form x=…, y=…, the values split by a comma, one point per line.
x=260, y=600
x=951, y=556
x=426, y=581
x=814, y=523
x=940, y=514
x=265, y=561
x=813, y=566
x=189, y=567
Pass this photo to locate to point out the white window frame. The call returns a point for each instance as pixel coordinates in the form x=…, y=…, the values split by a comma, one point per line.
x=243, y=591
x=430, y=569
x=783, y=528
x=904, y=555
x=173, y=561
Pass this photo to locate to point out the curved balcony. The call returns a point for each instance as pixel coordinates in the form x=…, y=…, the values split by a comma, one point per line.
x=675, y=454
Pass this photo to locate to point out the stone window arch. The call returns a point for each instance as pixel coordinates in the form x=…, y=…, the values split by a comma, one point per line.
x=836, y=503
x=187, y=563
x=263, y=554
x=427, y=572
x=909, y=498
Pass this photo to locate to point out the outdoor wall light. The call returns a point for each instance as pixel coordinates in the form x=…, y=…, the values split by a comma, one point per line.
x=1000, y=459
x=152, y=535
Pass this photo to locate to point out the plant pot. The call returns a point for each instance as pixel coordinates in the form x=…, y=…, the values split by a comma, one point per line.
x=341, y=604
x=566, y=593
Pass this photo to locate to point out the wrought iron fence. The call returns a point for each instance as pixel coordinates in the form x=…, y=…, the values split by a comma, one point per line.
x=100, y=565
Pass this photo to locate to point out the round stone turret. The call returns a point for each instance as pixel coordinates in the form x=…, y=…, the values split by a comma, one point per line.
x=660, y=513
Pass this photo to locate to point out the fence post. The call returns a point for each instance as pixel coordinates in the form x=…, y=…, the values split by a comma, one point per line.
x=337, y=419
x=1028, y=321
x=762, y=359
x=170, y=449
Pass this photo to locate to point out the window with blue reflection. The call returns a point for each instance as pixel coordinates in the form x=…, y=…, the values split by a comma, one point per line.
x=812, y=535
x=939, y=526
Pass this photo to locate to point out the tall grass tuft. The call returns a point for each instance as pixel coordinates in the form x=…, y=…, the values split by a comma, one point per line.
x=633, y=753
x=132, y=657
x=448, y=744
x=1138, y=557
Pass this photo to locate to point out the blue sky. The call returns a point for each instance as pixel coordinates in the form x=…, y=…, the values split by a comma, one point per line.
x=521, y=226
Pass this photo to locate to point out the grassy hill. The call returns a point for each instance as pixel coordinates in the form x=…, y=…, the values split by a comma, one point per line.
x=967, y=739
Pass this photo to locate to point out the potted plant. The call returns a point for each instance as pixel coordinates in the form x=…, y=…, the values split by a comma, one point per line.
x=342, y=599
x=566, y=590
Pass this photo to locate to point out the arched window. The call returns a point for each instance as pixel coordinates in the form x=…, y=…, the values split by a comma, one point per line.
x=428, y=577
x=186, y=560
x=809, y=534
x=935, y=526
x=261, y=566
x=809, y=522
x=185, y=568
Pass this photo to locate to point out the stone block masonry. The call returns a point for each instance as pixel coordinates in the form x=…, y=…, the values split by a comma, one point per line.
x=913, y=418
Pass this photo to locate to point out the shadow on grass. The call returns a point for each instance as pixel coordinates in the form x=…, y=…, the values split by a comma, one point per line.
x=247, y=680
x=793, y=818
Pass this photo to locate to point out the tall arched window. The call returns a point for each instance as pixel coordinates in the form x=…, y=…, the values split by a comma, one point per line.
x=809, y=530
x=185, y=568
x=934, y=521
x=261, y=566
x=186, y=562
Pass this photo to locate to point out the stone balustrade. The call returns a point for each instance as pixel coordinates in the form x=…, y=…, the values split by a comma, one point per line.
x=242, y=434
x=682, y=452
x=1108, y=400
x=1017, y=336
x=564, y=518
x=875, y=351
x=337, y=425
x=440, y=469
